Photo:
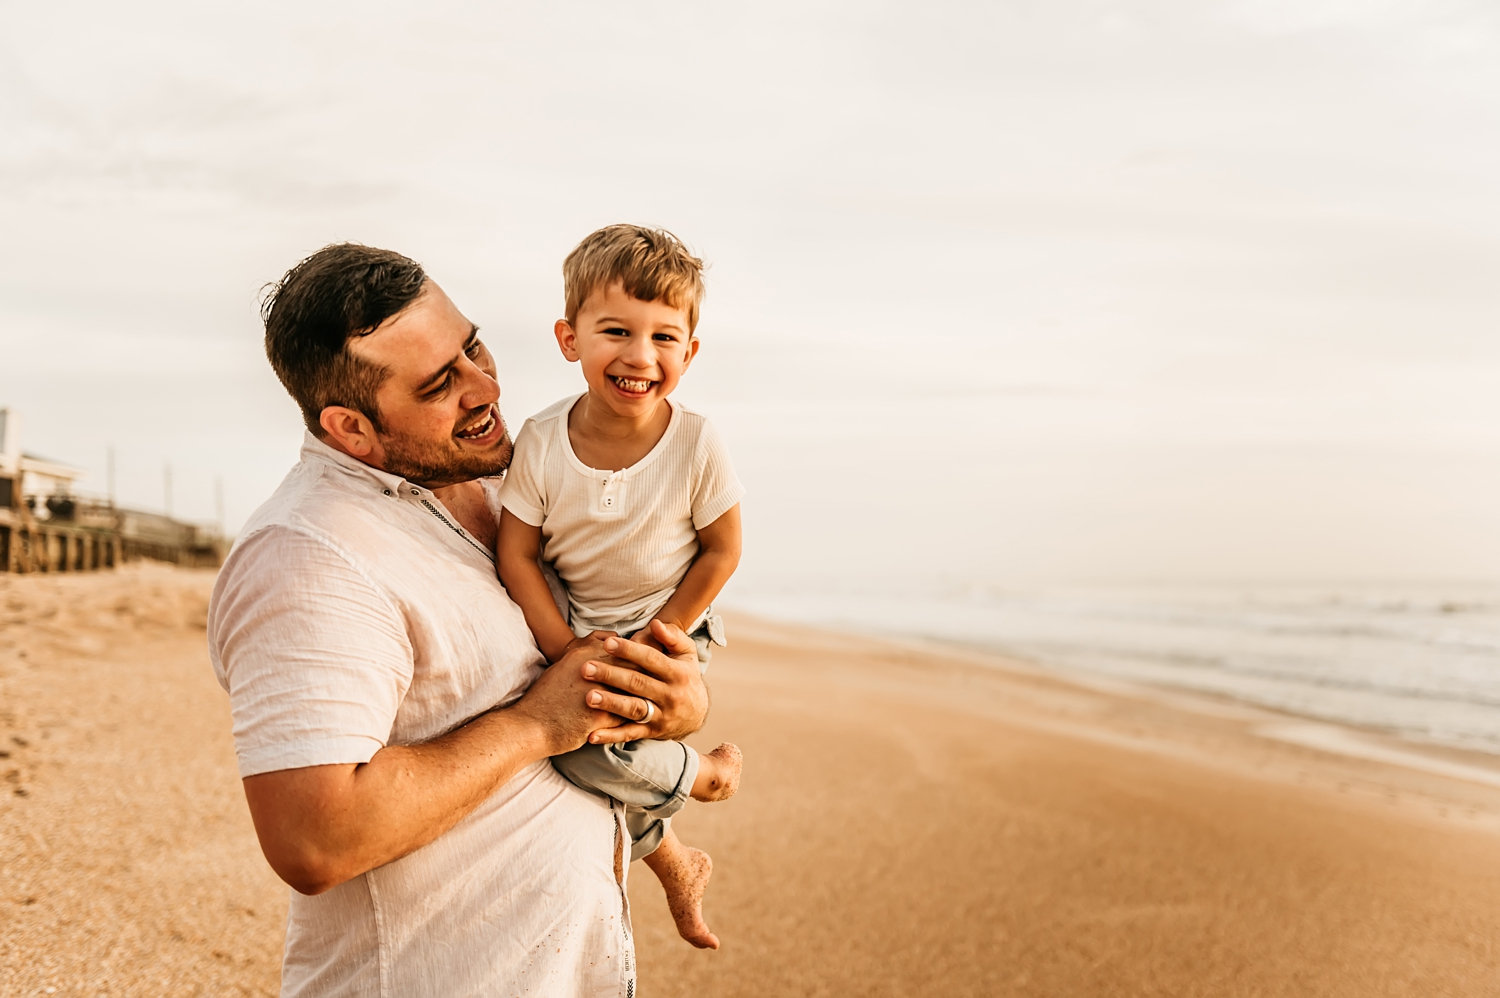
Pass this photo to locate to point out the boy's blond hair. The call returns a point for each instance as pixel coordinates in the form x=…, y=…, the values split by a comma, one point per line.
x=651, y=264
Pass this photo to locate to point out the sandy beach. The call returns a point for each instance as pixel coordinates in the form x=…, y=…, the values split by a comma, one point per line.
x=913, y=821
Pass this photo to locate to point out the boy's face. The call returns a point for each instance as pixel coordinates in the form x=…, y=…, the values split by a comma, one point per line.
x=632, y=352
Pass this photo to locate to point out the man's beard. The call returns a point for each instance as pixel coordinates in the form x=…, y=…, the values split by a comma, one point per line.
x=434, y=467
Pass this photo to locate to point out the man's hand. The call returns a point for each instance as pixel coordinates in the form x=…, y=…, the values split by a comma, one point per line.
x=556, y=701
x=645, y=637
x=646, y=684
x=593, y=643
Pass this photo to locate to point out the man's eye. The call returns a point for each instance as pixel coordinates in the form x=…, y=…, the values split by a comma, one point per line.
x=475, y=349
x=442, y=387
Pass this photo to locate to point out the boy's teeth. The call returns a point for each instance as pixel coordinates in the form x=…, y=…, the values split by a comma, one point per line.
x=633, y=384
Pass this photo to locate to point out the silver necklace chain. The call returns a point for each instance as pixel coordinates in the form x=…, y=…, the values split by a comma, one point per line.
x=458, y=530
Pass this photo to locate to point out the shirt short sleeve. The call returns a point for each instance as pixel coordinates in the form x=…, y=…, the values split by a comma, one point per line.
x=524, y=491
x=716, y=488
x=315, y=658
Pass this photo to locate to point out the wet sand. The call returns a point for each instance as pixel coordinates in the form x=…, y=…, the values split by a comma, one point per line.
x=912, y=821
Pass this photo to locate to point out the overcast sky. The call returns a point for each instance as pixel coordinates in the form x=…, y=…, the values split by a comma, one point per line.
x=998, y=292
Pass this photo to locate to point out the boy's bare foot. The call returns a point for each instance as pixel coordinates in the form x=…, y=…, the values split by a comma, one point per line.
x=683, y=872
x=718, y=773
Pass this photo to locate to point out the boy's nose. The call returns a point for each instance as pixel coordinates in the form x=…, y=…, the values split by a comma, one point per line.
x=638, y=352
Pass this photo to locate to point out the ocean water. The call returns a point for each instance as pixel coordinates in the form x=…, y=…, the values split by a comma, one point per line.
x=1421, y=662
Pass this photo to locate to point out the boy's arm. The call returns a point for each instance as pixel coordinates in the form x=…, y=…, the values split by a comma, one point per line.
x=718, y=555
x=516, y=557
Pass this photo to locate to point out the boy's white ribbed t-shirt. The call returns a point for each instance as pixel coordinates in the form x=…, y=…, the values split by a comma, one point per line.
x=621, y=541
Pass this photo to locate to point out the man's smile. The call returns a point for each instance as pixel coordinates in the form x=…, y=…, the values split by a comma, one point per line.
x=487, y=424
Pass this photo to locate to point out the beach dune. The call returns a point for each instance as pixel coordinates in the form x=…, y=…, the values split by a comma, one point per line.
x=913, y=821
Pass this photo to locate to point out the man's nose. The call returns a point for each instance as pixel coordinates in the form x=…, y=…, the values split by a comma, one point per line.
x=480, y=388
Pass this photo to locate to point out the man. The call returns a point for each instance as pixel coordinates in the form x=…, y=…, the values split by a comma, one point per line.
x=392, y=718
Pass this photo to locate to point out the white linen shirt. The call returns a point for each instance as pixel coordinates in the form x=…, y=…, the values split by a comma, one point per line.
x=621, y=541
x=354, y=613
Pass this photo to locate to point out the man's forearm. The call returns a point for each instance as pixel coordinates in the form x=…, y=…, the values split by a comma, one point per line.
x=322, y=825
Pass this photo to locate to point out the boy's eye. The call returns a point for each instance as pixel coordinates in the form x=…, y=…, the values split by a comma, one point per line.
x=616, y=331
x=665, y=337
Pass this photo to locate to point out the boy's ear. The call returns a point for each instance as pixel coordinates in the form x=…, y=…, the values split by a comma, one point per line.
x=692, y=351
x=349, y=430
x=567, y=340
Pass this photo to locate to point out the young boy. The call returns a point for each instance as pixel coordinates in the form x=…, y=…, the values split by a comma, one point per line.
x=631, y=498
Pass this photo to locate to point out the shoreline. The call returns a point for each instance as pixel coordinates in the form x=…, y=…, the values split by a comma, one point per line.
x=912, y=821
x=1336, y=736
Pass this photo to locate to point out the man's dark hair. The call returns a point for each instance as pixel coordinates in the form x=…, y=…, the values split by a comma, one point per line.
x=340, y=292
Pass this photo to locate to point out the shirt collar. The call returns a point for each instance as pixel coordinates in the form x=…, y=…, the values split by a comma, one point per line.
x=315, y=451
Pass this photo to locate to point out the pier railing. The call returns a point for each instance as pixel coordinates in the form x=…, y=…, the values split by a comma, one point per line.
x=87, y=537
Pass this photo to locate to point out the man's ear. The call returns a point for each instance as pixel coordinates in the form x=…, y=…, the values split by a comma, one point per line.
x=349, y=430
x=567, y=339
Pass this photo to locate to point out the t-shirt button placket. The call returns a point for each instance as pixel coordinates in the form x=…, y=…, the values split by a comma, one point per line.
x=609, y=498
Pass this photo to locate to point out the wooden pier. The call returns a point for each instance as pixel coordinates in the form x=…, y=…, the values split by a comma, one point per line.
x=40, y=547
x=31, y=545
x=46, y=525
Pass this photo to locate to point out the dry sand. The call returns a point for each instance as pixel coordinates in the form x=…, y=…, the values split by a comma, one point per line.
x=127, y=862
x=911, y=823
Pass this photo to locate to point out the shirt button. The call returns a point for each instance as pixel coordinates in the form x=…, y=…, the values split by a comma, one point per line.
x=386, y=491
x=416, y=492
x=609, y=501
